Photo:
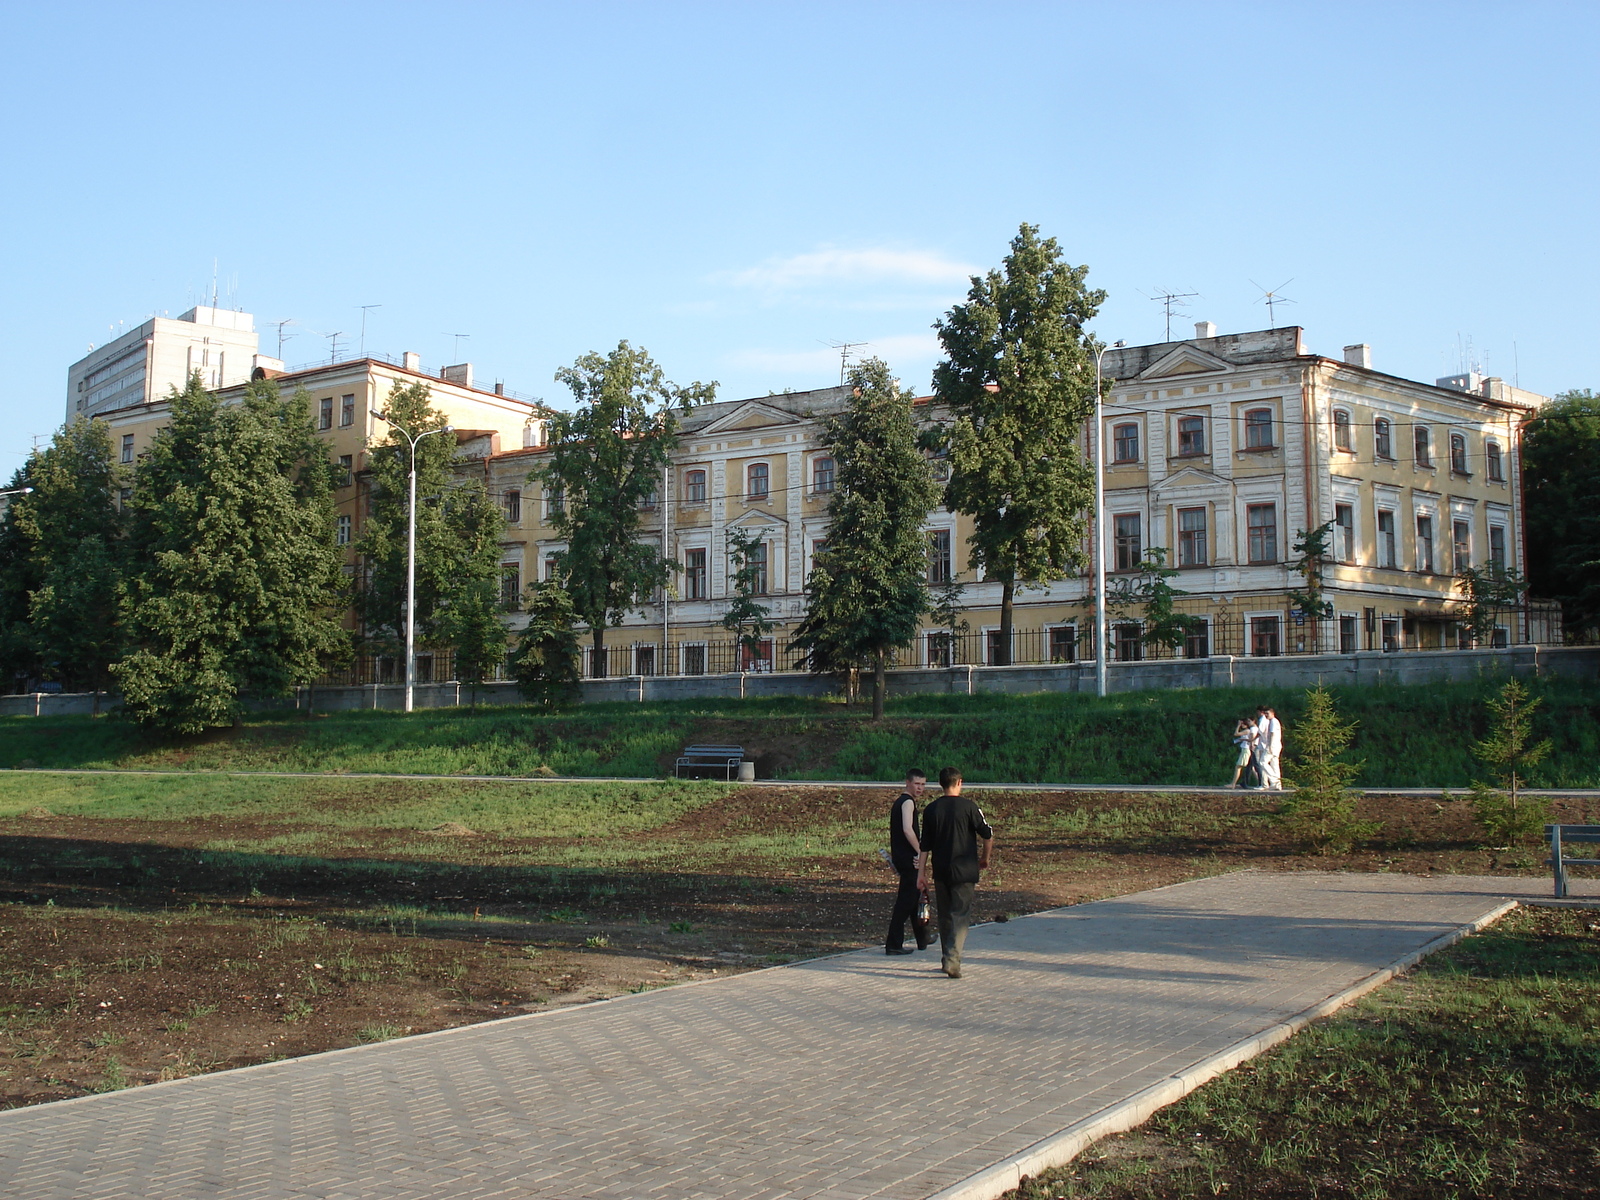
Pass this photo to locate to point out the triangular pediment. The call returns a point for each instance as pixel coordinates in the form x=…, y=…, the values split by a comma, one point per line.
x=1185, y=360
x=759, y=518
x=752, y=415
x=1189, y=477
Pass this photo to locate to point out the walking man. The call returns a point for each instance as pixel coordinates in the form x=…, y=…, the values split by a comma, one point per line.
x=905, y=850
x=1269, y=748
x=956, y=844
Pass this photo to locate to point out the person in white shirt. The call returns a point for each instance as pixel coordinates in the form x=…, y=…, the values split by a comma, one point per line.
x=1271, y=741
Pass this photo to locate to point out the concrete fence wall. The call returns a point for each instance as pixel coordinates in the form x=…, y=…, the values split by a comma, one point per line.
x=1364, y=668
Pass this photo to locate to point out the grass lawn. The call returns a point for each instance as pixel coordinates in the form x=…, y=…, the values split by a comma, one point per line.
x=1407, y=737
x=1476, y=1075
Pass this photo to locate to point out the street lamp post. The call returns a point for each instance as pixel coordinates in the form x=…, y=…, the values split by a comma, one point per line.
x=1101, y=646
x=22, y=491
x=411, y=552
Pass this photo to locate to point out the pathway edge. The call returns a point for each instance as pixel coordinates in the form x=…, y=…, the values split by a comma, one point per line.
x=1061, y=1148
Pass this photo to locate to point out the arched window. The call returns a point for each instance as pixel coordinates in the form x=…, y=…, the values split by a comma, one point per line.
x=1458, y=454
x=756, y=481
x=1382, y=439
x=694, y=487
x=1258, y=429
x=1341, y=431
x=1125, y=443
x=1494, y=464
x=1422, y=443
x=822, y=474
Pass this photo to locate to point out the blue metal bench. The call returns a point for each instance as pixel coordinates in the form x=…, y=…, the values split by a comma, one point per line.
x=725, y=759
x=1558, y=836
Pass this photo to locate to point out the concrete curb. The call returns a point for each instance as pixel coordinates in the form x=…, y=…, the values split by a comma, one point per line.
x=1063, y=1147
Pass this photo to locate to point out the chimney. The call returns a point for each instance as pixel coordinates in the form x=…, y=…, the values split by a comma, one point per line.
x=499, y=389
x=1359, y=355
x=460, y=373
x=411, y=361
x=1204, y=329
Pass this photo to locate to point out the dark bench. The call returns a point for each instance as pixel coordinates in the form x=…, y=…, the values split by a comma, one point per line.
x=723, y=759
x=1558, y=836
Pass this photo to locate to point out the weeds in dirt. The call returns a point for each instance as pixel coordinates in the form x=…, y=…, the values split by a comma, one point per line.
x=297, y=1010
x=379, y=1033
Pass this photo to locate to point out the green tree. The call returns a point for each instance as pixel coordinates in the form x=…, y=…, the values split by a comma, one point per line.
x=471, y=611
x=1322, y=808
x=60, y=561
x=1311, y=563
x=1510, y=753
x=606, y=459
x=946, y=604
x=1150, y=594
x=1486, y=593
x=746, y=617
x=545, y=660
x=237, y=586
x=1018, y=379
x=1561, y=479
x=869, y=589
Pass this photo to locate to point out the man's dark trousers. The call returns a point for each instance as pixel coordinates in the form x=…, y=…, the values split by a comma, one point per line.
x=905, y=909
x=955, y=914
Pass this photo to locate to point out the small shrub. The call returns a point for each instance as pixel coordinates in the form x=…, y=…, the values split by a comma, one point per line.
x=297, y=1011
x=379, y=1033
x=1322, y=809
x=598, y=942
x=1504, y=814
x=681, y=927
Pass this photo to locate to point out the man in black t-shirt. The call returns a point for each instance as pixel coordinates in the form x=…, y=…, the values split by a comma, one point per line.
x=956, y=844
x=905, y=846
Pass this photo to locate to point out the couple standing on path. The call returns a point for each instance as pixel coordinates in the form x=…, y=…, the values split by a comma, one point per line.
x=1260, y=744
x=948, y=847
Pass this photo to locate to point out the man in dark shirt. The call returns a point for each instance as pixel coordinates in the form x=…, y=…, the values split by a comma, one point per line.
x=905, y=847
x=956, y=844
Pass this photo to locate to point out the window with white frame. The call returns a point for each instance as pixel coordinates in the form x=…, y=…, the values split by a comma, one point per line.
x=757, y=481
x=1458, y=454
x=127, y=448
x=1129, y=541
x=1342, y=439
x=1422, y=446
x=1125, y=443
x=822, y=471
x=1261, y=527
x=1388, y=555
x=347, y=411
x=1425, y=543
x=1192, y=537
x=1258, y=429
x=939, y=565
x=1493, y=463
x=694, y=574
x=694, y=487
x=1461, y=545
x=1497, y=547
x=1382, y=439
x=1191, y=436
x=1344, y=532
x=341, y=530
x=511, y=586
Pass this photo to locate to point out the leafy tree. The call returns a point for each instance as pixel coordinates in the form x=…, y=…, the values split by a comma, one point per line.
x=945, y=609
x=1311, y=563
x=745, y=617
x=470, y=618
x=1322, y=808
x=607, y=458
x=1561, y=479
x=545, y=660
x=237, y=584
x=1510, y=753
x=1151, y=594
x=1018, y=379
x=1486, y=592
x=868, y=589
x=60, y=560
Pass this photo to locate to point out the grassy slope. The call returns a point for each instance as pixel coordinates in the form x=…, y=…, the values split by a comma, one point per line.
x=1408, y=737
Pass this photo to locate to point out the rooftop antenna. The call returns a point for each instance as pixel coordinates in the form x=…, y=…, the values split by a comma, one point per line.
x=458, y=337
x=1272, y=298
x=213, y=283
x=364, y=309
x=281, y=336
x=333, y=356
x=845, y=350
x=1170, y=301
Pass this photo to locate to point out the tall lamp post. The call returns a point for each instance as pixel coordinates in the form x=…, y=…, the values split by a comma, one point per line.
x=22, y=491
x=411, y=550
x=1101, y=646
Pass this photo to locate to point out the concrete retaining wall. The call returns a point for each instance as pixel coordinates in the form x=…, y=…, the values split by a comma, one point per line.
x=1349, y=670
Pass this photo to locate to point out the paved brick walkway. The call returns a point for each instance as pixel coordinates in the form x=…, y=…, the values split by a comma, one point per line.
x=854, y=1076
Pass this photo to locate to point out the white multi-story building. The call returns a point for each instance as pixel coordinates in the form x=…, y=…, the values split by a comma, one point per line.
x=140, y=366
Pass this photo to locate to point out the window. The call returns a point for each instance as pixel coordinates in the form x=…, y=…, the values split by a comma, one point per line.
x=510, y=586
x=513, y=506
x=1064, y=644
x=325, y=413
x=1125, y=443
x=1341, y=431
x=939, y=649
x=1502, y=637
x=1386, y=547
x=347, y=469
x=127, y=447
x=822, y=474
x=1347, y=635
x=756, y=481
x=124, y=496
x=347, y=411
x=1264, y=637
x=939, y=556
x=1191, y=436
x=694, y=659
x=694, y=574
x=1425, y=544
x=1191, y=537
x=1391, y=635
x=1458, y=454
x=694, y=487
x=992, y=646
x=758, y=560
x=644, y=660
x=1344, y=532
x=1422, y=446
x=555, y=501
x=552, y=567
x=648, y=501
x=756, y=658
x=1129, y=642
x=341, y=530
x=1129, y=543
x=1497, y=546
x=1382, y=439
x=1493, y=463
x=1258, y=429
x=1261, y=522
x=1461, y=546
x=1197, y=640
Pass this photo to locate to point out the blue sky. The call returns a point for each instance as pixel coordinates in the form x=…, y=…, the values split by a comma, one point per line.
x=734, y=186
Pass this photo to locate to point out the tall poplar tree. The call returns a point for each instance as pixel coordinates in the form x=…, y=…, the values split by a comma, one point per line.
x=1561, y=474
x=236, y=587
x=869, y=587
x=606, y=459
x=1018, y=379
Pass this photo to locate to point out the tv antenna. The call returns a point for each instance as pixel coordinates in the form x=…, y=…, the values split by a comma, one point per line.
x=364, y=309
x=458, y=337
x=333, y=355
x=282, y=337
x=1272, y=298
x=1171, y=301
x=845, y=350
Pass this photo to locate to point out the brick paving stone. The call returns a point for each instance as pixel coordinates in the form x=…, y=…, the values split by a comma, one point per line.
x=838, y=1079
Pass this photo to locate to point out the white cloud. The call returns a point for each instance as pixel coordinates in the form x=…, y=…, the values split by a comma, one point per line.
x=831, y=265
